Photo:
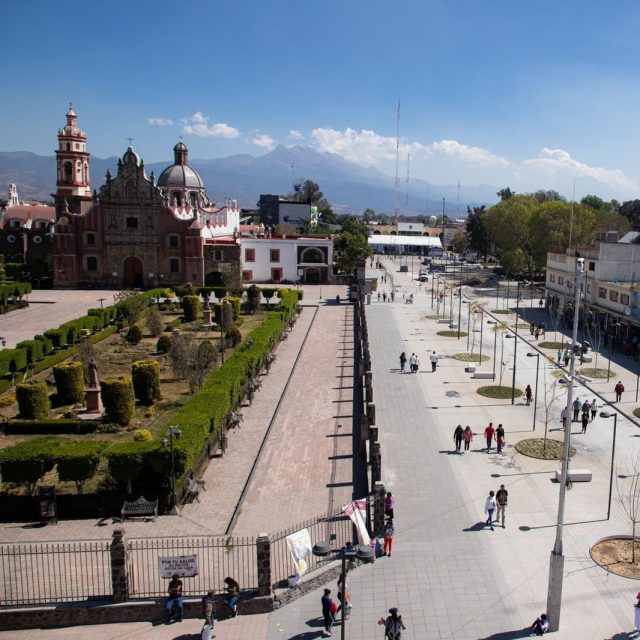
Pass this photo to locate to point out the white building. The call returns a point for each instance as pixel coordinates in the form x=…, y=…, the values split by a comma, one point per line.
x=286, y=259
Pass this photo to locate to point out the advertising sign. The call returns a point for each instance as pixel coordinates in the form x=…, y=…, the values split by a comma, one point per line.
x=300, y=547
x=184, y=566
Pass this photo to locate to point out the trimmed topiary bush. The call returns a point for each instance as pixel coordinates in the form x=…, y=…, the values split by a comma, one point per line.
x=142, y=435
x=164, y=344
x=118, y=400
x=69, y=377
x=27, y=462
x=134, y=335
x=191, y=308
x=78, y=461
x=33, y=399
x=234, y=335
x=146, y=381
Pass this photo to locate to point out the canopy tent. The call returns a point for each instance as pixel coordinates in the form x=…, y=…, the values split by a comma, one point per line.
x=384, y=241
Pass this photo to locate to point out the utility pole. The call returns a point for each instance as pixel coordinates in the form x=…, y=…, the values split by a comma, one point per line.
x=556, y=563
x=397, y=183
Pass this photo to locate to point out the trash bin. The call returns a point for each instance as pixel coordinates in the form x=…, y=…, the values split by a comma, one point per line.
x=48, y=504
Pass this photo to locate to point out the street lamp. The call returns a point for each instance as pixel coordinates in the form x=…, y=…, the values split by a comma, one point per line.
x=495, y=344
x=323, y=549
x=174, y=431
x=515, y=347
x=606, y=414
x=481, y=312
x=468, y=321
x=535, y=400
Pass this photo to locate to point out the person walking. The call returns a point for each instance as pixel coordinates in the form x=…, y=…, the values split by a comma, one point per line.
x=389, y=504
x=619, y=389
x=499, y=438
x=329, y=608
x=532, y=328
x=585, y=421
x=502, y=496
x=489, y=508
x=564, y=417
x=467, y=436
x=388, y=532
x=594, y=409
x=417, y=364
x=567, y=357
x=434, y=361
x=586, y=406
x=559, y=355
x=412, y=363
x=528, y=394
x=457, y=437
x=393, y=625
x=541, y=303
x=403, y=361
x=342, y=588
x=393, y=296
x=384, y=296
x=536, y=335
x=636, y=616
x=576, y=409
x=488, y=434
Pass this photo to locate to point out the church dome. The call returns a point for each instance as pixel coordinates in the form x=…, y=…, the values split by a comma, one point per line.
x=130, y=157
x=180, y=176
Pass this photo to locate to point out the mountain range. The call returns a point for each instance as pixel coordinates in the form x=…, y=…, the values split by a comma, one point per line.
x=351, y=188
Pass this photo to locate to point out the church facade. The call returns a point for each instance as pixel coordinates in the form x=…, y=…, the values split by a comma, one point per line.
x=136, y=231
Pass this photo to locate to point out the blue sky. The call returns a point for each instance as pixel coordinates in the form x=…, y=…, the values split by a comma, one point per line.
x=530, y=95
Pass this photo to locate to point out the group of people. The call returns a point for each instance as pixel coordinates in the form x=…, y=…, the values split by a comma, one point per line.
x=496, y=502
x=537, y=331
x=589, y=411
x=414, y=362
x=330, y=608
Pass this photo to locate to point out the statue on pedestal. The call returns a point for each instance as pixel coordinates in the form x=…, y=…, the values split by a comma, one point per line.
x=93, y=374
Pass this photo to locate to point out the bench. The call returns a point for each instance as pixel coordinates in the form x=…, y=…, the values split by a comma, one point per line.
x=586, y=358
x=583, y=379
x=483, y=375
x=470, y=368
x=575, y=475
x=139, y=508
x=444, y=321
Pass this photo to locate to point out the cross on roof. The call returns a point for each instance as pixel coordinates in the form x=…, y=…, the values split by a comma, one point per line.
x=130, y=140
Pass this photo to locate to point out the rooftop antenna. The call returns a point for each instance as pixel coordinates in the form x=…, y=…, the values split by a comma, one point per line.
x=427, y=197
x=293, y=180
x=573, y=198
x=397, y=185
x=458, y=202
x=407, y=181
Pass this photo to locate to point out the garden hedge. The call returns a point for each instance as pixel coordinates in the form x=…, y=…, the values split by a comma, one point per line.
x=78, y=461
x=27, y=462
x=164, y=344
x=50, y=426
x=191, y=308
x=33, y=399
x=117, y=397
x=33, y=349
x=134, y=334
x=69, y=377
x=146, y=381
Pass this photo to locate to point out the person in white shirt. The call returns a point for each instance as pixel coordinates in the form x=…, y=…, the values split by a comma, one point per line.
x=489, y=508
x=594, y=409
x=412, y=363
x=434, y=361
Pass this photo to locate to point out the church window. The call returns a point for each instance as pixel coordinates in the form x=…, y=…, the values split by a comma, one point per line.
x=177, y=198
x=92, y=263
x=15, y=223
x=90, y=238
x=249, y=255
x=173, y=240
x=132, y=222
x=37, y=239
x=68, y=147
x=77, y=146
x=174, y=265
x=68, y=171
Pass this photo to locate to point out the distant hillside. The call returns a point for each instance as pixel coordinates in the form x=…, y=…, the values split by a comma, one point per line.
x=348, y=186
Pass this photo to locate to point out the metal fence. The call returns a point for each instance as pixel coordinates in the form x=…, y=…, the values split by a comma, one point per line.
x=218, y=557
x=335, y=528
x=54, y=572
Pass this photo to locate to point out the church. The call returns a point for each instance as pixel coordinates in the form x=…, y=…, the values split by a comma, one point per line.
x=138, y=231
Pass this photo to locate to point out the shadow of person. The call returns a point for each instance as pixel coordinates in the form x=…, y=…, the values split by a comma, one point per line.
x=509, y=635
x=478, y=526
x=306, y=635
x=315, y=622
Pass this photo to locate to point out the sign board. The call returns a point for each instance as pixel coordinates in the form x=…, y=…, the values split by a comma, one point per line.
x=299, y=544
x=184, y=566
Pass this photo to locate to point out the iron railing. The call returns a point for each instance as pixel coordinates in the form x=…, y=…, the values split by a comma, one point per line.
x=50, y=573
x=218, y=557
x=336, y=528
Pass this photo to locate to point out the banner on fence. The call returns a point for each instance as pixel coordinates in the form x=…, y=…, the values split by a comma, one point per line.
x=357, y=511
x=299, y=544
x=184, y=566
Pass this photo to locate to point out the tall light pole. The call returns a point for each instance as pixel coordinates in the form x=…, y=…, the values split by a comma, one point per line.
x=535, y=400
x=468, y=320
x=366, y=554
x=606, y=414
x=495, y=344
x=173, y=431
x=556, y=561
x=443, y=242
x=515, y=347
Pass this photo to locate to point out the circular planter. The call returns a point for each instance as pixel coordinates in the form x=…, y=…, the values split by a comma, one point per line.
x=613, y=554
x=550, y=345
x=450, y=333
x=533, y=448
x=469, y=357
x=498, y=392
x=590, y=372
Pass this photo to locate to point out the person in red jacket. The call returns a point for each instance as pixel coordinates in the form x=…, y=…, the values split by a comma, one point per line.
x=488, y=434
x=619, y=388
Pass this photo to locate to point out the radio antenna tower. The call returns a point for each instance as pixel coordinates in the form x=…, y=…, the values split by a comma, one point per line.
x=397, y=208
x=458, y=202
x=407, y=181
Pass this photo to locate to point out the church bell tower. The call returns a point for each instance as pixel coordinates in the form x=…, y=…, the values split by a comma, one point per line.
x=72, y=168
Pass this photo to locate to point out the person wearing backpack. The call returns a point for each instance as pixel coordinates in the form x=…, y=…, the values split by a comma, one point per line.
x=393, y=625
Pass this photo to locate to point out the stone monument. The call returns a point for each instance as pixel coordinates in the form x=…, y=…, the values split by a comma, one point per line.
x=92, y=399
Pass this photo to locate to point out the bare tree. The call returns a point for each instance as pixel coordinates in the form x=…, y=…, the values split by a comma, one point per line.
x=629, y=496
x=85, y=354
x=552, y=393
x=179, y=355
x=500, y=329
x=132, y=304
x=155, y=323
x=201, y=356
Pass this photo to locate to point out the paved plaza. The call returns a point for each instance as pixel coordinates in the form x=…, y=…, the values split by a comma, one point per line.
x=450, y=576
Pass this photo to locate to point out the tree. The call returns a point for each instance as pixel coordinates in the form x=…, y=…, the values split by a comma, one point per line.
x=155, y=323
x=631, y=211
x=549, y=195
x=505, y=193
x=253, y=299
x=351, y=244
x=629, y=496
x=368, y=215
x=552, y=393
x=201, y=356
x=477, y=231
x=131, y=305
x=596, y=203
x=179, y=355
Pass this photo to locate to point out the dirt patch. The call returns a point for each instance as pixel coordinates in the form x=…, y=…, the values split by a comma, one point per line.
x=614, y=555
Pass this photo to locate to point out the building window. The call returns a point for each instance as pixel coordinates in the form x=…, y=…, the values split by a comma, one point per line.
x=592, y=266
x=624, y=299
x=173, y=240
x=249, y=255
x=613, y=295
x=602, y=293
x=247, y=276
x=276, y=275
x=92, y=263
x=274, y=255
x=174, y=265
x=560, y=280
x=132, y=222
x=552, y=277
x=90, y=238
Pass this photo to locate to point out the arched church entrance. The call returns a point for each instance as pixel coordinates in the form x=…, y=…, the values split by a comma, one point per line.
x=132, y=273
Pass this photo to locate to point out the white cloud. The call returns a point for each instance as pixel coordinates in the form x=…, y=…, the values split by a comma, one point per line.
x=262, y=140
x=197, y=125
x=552, y=161
x=367, y=147
x=160, y=122
x=296, y=135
